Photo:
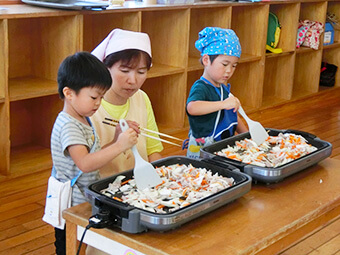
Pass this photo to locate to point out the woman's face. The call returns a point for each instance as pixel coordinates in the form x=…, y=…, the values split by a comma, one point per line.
x=127, y=79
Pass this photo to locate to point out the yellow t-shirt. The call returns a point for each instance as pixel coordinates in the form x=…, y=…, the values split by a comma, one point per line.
x=138, y=108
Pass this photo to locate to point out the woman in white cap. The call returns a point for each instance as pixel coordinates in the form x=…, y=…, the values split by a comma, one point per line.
x=127, y=55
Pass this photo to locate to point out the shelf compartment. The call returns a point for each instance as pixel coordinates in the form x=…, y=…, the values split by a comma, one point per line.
x=334, y=7
x=288, y=15
x=168, y=31
x=307, y=74
x=314, y=11
x=253, y=28
x=37, y=46
x=29, y=159
x=31, y=123
x=201, y=18
x=246, y=83
x=97, y=27
x=31, y=87
x=166, y=95
x=278, y=84
x=332, y=56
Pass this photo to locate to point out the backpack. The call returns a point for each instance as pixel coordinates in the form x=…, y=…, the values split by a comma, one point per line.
x=273, y=33
x=327, y=74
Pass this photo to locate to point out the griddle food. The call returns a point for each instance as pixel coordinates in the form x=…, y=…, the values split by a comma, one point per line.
x=274, y=152
x=181, y=186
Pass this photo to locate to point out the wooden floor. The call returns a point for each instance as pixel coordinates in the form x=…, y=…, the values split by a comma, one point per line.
x=22, y=199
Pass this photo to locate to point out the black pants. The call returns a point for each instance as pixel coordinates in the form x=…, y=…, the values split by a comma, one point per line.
x=60, y=241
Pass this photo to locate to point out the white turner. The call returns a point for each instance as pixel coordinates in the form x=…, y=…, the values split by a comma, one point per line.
x=257, y=132
x=145, y=174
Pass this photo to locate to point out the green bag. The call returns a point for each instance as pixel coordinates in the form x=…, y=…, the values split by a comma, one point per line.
x=273, y=33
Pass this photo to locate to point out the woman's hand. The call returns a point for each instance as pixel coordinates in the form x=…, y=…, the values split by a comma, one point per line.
x=132, y=124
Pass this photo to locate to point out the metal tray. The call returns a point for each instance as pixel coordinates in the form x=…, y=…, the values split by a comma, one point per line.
x=270, y=174
x=135, y=220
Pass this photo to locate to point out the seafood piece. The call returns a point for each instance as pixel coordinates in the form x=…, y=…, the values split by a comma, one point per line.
x=181, y=185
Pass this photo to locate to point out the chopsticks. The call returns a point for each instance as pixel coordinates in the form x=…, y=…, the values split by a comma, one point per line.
x=114, y=122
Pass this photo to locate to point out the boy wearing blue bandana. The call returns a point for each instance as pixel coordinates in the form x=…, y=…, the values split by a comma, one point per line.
x=212, y=112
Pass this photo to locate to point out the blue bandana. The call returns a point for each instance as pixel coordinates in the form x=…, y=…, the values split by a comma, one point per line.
x=218, y=41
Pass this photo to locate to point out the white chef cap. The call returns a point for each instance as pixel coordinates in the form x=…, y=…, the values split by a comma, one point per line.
x=119, y=40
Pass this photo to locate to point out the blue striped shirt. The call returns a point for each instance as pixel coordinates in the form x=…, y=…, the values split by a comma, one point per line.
x=69, y=131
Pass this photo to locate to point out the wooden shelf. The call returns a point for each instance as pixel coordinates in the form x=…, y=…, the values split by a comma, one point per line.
x=324, y=88
x=246, y=58
x=277, y=55
x=332, y=46
x=30, y=87
x=28, y=159
x=159, y=70
x=272, y=101
x=298, y=94
x=194, y=64
x=304, y=49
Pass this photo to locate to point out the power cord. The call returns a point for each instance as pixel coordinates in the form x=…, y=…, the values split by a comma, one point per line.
x=99, y=220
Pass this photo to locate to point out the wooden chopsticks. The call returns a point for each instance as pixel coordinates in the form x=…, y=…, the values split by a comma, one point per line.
x=114, y=122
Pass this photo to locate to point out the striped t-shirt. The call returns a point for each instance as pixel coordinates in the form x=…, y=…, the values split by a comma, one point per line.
x=69, y=131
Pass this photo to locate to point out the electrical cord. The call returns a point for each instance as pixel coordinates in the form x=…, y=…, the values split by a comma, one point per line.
x=99, y=220
x=82, y=238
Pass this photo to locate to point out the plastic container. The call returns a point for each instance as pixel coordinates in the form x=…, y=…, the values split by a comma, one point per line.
x=329, y=34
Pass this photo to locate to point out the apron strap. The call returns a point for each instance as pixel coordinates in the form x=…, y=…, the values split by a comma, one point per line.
x=219, y=112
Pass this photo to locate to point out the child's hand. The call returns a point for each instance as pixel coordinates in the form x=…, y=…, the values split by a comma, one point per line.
x=127, y=139
x=231, y=103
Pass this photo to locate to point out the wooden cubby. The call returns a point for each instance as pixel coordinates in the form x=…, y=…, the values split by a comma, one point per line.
x=331, y=53
x=249, y=74
x=308, y=61
x=97, y=27
x=199, y=19
x=36, y=40
x=279, y=68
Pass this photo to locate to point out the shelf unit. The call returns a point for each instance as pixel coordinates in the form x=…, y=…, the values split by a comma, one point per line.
x=36, y=40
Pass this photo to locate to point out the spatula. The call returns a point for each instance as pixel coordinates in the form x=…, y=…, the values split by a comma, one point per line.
x=144, y=172
x=257, y=132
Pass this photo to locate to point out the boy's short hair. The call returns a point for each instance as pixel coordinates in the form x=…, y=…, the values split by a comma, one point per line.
x=82, y=70
x=129, y=57
x=211, y=57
